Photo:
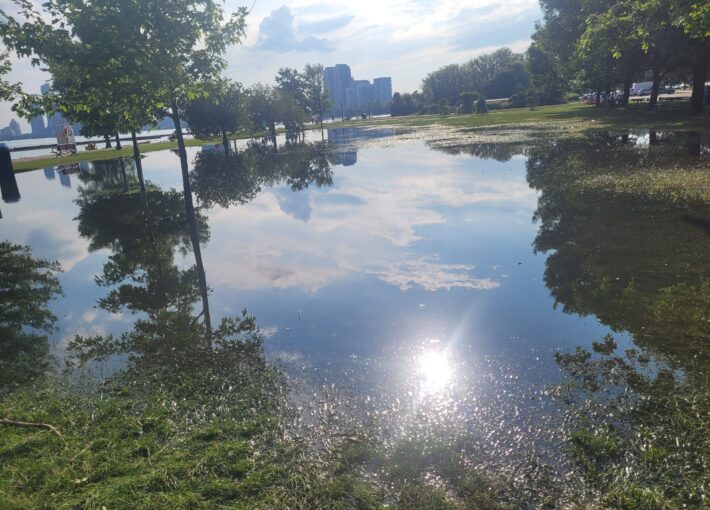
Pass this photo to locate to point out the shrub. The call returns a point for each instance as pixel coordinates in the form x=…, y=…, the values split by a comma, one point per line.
x=467, y=100
x=481, y=106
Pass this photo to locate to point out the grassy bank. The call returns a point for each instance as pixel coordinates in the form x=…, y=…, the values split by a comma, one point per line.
x=575, y=116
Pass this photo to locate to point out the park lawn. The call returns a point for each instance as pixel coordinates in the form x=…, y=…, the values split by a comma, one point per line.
x=569, y=115
x=575, y=116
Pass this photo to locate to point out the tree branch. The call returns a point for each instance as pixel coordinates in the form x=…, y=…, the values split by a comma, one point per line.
x=26, y=424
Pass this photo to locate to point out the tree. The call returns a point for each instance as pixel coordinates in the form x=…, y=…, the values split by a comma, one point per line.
x=89, y=85
x=509, y=80
x=219, y=113
x=545, y=74
x=169, y=47
x=293, y=83
x=27, y=284
x=7, y=90
x=501, y=73
x=481, y=106
x=693, y=17
x=317, y=96
x=270, y=105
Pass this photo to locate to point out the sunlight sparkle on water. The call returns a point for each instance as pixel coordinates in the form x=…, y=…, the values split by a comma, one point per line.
x=435, y=371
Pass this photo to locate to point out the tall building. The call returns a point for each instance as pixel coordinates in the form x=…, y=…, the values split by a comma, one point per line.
x=57, y=117
x=39, y=128
x=383, y=90
x=337, y=80
x=353, y=97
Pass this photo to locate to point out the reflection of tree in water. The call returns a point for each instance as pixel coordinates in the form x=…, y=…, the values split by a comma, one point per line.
x=219, y=368
x=109, y=175
x=27, y=284
x=499, y=151
x=637, y=262
x=226, y=179
x=143, y=231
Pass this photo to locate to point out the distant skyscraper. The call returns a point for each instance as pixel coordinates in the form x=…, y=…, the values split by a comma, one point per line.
x=56, y=118
x=337, y=80
x=383, y=90
x=38, y=126
x=352, y=97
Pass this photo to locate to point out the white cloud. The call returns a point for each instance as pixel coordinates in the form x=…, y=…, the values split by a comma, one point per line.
x=277, y=33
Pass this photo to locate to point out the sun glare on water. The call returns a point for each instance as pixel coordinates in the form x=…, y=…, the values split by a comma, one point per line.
x=435, y=371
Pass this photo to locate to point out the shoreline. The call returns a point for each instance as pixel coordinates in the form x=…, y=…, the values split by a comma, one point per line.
x=575, y=116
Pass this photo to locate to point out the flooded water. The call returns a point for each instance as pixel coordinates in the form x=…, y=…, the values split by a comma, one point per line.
x=423, y=280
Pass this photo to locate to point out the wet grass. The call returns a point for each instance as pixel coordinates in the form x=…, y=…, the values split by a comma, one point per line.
x=127, y=448
x=639, y=432
x=691, y=183
x=570, y=116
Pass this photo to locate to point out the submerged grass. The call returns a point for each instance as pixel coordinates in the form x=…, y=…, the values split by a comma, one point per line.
x=680, y=184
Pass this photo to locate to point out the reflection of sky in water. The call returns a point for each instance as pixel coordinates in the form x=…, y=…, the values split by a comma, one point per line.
x=407, y=245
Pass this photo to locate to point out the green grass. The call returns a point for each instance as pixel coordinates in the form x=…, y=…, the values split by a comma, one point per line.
x=571, y=116
x=126, y=447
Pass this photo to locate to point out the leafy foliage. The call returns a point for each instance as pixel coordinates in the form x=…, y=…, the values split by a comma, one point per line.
x=27, y=284
x=219, y=113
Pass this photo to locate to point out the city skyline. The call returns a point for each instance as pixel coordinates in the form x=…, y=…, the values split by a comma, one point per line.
x=353, y=97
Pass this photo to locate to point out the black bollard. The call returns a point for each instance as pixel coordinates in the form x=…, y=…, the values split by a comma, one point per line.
x=8, y=183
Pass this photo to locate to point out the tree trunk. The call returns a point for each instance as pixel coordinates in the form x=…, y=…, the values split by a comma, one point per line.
x=653, y=138
x=190, y=214
x=118, y=143
x=182, y=153
x=225, y=141
x=700, y=70
x=195, y=240
x=137, y=158
x=653, y=100
x=123, y=174
x=627, y=90
x=107, y=139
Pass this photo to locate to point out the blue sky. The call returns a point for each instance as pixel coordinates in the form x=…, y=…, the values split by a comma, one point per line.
x=404, y=39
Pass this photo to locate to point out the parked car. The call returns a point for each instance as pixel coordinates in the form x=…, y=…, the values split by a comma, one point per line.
x=666, y=89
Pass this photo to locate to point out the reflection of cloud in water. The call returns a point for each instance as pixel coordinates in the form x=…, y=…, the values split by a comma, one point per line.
x=293, y=204
x=361, y=226
x=55, y=240
x=430, y=275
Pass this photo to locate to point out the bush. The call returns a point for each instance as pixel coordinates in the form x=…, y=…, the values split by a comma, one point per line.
x=467, y=100
x=481, y=106
x=571, y=97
